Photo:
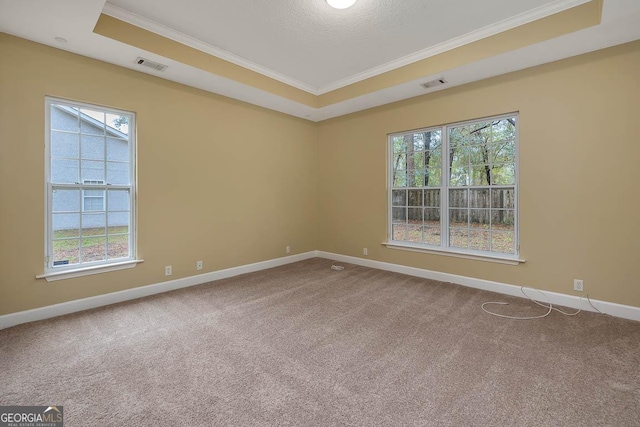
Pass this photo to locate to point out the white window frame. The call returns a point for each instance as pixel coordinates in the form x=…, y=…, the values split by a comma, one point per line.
x=58, y=272
x=444, y=248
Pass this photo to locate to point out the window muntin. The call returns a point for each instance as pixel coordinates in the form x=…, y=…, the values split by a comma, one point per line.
x=90, y=185
x=464, y=201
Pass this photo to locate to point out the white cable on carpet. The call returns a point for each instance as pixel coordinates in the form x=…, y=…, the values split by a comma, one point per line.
x=550, y=307
x=336, y=267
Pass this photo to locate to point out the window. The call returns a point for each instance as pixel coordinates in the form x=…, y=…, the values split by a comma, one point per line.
x=454, y=188
x=90, y=186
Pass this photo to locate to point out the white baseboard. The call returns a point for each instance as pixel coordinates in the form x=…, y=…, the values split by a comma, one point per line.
x=69, y=307
x=613, y=309
x=8, y=320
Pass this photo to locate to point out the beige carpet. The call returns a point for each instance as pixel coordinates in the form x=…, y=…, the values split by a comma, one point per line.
x=304, y=345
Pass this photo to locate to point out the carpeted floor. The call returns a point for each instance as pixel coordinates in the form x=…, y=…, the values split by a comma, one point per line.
x=304, y=345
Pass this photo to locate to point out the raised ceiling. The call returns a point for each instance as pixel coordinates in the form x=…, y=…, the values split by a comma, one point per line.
x=319, y=46
x=301, y=57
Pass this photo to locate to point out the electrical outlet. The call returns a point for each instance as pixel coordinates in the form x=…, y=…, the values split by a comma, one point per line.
x=168, y=270
x=365, y=251
x=578, y=285
x=199, y=265
x=288, y=249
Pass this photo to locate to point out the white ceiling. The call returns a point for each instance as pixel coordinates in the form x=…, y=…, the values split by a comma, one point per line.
x=313, y=39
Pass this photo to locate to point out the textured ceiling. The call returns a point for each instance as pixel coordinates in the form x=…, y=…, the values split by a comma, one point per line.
x=308, y=41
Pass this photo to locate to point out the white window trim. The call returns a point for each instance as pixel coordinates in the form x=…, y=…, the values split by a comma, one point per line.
x=511, y=259
x=76, y=270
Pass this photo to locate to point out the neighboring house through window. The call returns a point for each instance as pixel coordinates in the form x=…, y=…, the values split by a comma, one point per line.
x=454, y=188
x=93, y=200
x=90, y=185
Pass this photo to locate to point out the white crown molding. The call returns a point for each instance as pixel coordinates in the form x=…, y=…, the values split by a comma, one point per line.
x=157, y=28
x=490, y=30
x=473, y=36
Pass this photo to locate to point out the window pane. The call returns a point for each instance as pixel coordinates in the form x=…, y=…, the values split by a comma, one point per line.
x=458, y=198
x=433, y=168
x=64, y=144
x=118, y=246
x=94, y=224
x=93, y=249
x=416, y=178
x=479, y=154
x=399, y=198
x=117, y=150
x=459, y=136
x=503, y=174
x=458, y=237
x=118, y=173
x=65, y=200
x=479, y=240
x=92, y=170
x=399, y=145
x=400, y=161
x=65, y=252
x=414, y=234
x=415, y=198
x=118, y=222
x=399, y=214
x=503, y=151
x=415, y=159
x=432, y=217
x=400, y=178
x=503, y=198
x=459, y=176
x=119, y=200
x=92, y=147
x=432, y=198
x=479, y=175
x=118, y=123
x=65, y=225
x=458, y=217
x=398, y=232
x=415, y=215
x=431, y=236
x=91, y=122
x=479, y=198
x=479, y=218
x=503, y=219
x=64, y=171
x=503, y=242
x=64, y=118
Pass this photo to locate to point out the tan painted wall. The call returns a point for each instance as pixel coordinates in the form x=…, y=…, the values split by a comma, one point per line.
x=231, y=184
x=219, y=180
x=579, y=160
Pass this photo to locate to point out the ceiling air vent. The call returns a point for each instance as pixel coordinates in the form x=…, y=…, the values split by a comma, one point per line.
x=147, y=63
x=433, y=83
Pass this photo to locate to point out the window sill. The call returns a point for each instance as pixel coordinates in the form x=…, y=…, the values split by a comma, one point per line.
x=86, y=271
x=510, y=260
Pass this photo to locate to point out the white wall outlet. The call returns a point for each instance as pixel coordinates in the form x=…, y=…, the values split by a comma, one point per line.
x=199, y=265
x=168, y=271
x=578, y=285
x=365, y=251
x=288, y=249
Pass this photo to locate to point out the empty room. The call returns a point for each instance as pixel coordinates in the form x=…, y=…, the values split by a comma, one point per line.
x=319, y=213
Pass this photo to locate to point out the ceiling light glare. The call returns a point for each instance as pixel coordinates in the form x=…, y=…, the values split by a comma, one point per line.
x=341, y=4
